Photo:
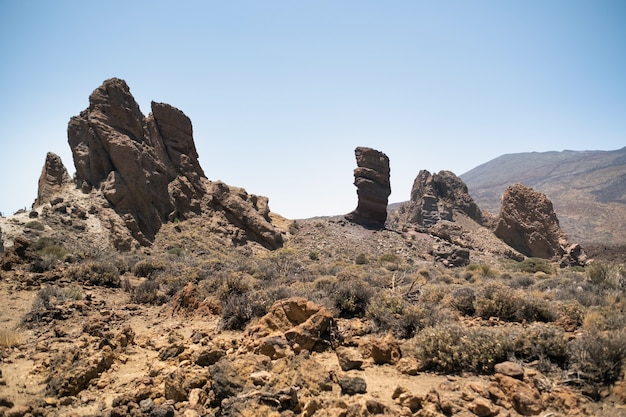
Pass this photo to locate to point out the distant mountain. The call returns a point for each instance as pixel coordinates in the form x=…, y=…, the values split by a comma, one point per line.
x=587, y=189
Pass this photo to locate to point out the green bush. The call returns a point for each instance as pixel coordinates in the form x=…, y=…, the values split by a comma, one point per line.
x=532, y=265
x=34, y=225
x=361, y=259
x=539, y=342
x=450, y=348
x=147, y=293
x=598, y=358
x=351, y=297
x=96, y=273
x=149, y=267
x=495, y=300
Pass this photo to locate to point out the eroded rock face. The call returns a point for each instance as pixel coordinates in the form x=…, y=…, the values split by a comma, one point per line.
x=371, y=178
x=135, y=160
x=147, y=169
x=529, y=224
x=435, y=197
x=52, y=179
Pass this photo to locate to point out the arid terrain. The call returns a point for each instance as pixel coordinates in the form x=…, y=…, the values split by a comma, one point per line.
x=140, y=287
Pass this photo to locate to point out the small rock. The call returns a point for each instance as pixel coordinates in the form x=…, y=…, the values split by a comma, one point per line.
x=260, y=378
x=146, y=405
x=352, y=385
x=164, y=411
x=482, y=407
x=197, y=396
x=512, y=369
x=408, y=366
x=349, y=358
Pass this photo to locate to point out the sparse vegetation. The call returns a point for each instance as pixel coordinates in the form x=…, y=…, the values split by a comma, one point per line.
x=34, y=225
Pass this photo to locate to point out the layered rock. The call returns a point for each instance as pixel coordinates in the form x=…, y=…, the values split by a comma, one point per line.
x=53, y=178
x=371, y=178
x=436, y=197
x=528, y=223
x=147, y=169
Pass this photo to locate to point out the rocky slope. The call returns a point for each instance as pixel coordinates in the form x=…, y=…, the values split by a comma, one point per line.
x=587, y=188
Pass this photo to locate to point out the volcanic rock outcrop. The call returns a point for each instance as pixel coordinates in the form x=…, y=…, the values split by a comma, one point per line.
x=147, y=169
x=371, y=178
x=52, y=179
x=528, y=223
x=436, y=197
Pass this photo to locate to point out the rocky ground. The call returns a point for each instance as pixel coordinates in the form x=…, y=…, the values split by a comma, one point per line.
x=73, y=345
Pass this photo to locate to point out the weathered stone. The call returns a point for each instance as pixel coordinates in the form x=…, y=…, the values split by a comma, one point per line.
x=451, y=255
x=352, y=385
x=209, y=356
x=512, y=369
x=349, y=358
x=529, y=224
x=53, y=178
x=435, y=198
x=230, y=375
x=371, y=178
x=302, y=323
x=385, y=350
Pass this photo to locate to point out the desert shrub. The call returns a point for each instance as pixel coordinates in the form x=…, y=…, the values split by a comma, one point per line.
x=176, y=251
x=361, y=259
x=47, y=301
x=314, y=256
x=570, y=314
x=95, y=273
x=450, y=348
x=597, y=358
x=239, y=309
x=390, y=261
x=603, y=319
x=606, y=275
x=532, y=265
x=234, y=283
x=351, y=297
x=462, y=299
x=539, y=342
x=294, y=227
x=495, y=300
x=147, y=293
x=483, y=269
x=147, y=268
x=521, y=281
x=34, y=225
x=390, y=312
x=9, y=338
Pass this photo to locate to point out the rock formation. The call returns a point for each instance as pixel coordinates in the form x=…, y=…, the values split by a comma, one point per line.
x=52, y=179
x=147, y=169
x=371, y=178
x=436, y=197
x=528, y=223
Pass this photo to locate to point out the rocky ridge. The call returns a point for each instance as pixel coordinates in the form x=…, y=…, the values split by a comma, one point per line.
x=143, y=172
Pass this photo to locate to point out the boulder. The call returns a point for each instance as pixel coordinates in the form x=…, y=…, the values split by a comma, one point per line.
x=53, y=178
x=528, y=223
x=436, y=197
x=349, y=358
x=295, y=322
x=371, y=178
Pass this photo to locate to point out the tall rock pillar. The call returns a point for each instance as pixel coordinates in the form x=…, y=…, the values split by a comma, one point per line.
x=371, y=178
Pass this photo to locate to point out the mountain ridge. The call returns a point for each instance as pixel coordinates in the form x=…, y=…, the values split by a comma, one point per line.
x=588, y=188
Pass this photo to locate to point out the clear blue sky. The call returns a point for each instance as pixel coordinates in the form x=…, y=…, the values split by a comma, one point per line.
x=281, y=92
